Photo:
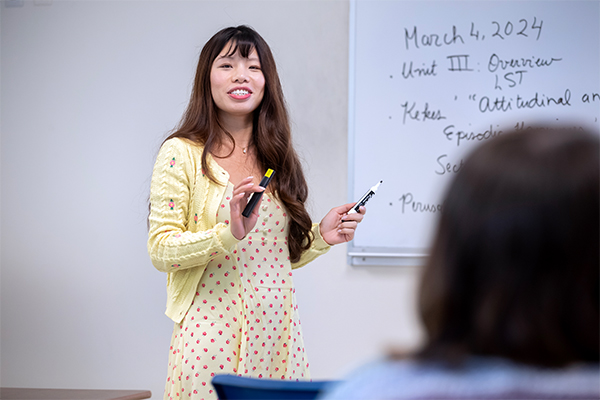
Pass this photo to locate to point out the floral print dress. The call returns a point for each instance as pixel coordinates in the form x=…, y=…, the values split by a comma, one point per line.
x=244, y=318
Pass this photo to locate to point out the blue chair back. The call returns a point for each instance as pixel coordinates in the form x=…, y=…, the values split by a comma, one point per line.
x=233, y=387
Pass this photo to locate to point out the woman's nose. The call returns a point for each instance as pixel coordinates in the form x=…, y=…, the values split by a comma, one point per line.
x=240, y=76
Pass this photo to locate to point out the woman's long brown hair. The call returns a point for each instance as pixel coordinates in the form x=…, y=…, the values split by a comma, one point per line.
x=271, y=135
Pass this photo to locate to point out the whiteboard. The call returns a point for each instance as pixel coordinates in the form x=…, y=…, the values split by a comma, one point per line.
x=430, y=80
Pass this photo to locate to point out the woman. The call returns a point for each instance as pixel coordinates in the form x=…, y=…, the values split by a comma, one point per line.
x=509, y=298
x=229, y=280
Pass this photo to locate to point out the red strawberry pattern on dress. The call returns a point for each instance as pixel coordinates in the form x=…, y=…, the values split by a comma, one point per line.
x=244, y=319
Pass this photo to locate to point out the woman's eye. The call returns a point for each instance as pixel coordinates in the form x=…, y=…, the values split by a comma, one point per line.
x=255, y=67
x=225, y=66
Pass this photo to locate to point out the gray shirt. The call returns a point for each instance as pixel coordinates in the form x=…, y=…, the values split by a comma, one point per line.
x=477, y=378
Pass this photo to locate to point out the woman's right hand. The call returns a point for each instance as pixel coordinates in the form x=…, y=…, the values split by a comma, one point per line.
x=240, y=225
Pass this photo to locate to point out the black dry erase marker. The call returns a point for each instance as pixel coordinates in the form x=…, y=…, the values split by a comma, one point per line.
x=363, y=200
x=257, y=195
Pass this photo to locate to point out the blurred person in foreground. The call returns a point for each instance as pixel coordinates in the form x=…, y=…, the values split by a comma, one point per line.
x=509, y=298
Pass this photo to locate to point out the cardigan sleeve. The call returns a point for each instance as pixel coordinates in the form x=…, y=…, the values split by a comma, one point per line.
x=319, y=247
x=172, y=247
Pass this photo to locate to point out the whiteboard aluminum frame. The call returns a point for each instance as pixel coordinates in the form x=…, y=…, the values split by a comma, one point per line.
x=365, y=256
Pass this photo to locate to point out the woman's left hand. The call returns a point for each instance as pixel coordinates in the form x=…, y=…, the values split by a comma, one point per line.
x=338, y=226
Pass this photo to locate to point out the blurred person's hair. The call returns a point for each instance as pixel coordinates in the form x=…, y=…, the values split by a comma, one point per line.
x=513, y=270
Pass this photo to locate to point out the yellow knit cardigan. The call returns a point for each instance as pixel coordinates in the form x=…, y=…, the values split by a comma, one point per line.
x=184, y=235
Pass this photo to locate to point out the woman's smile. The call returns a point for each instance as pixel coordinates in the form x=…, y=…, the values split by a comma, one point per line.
x=240, y=93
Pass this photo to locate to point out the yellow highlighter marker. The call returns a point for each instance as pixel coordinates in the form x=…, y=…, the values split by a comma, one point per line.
x=257, y=195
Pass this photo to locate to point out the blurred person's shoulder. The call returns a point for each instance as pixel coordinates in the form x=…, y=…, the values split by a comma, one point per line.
x=476, y=378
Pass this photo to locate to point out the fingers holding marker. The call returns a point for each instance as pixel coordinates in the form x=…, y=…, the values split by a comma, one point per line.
x=351, y=221
x=243, y=186
x=357, y=216
x=241, y=192
x=256, y=196
x=347, y=225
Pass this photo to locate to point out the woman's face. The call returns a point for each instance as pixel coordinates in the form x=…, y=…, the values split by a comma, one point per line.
x=237, y=83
